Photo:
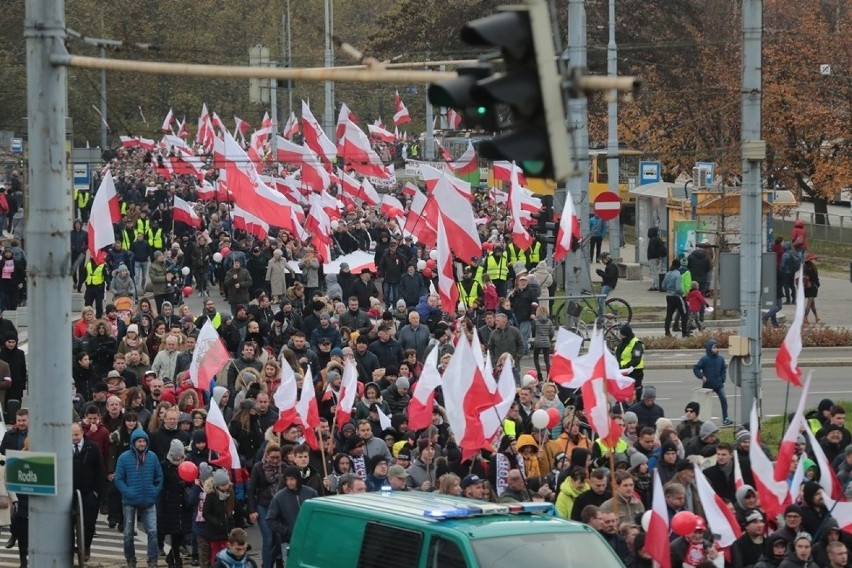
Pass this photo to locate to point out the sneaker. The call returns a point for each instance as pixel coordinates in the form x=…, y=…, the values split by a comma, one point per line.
x=727, y=422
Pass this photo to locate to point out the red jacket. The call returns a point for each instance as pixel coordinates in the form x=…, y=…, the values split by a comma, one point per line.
x=695, y=300
x=798, y=236
x=491, y=300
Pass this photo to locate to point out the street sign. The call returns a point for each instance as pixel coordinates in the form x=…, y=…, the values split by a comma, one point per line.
x=33, y=473
x=17, y=146
x=709, y=171
x=607, y=205
x=81, y=177
x=649, y=172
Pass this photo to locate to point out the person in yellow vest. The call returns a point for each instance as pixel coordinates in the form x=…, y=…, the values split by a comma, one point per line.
x=155, y=236
x=143, y=225
x=470, y=290
x=515, y=254
x=534, y=255
x=497, y=268
x=95, y=283
x=127, y=233
x=631, y=353
x=82, y=199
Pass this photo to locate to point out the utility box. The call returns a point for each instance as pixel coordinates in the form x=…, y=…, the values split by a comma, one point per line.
x=738, y=346
x=729, y=280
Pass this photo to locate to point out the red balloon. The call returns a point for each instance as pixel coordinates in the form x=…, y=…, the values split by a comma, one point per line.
x=684, y=523
x=488, y=246
x=427, y=272
x=188, y=471
x=187, y=290
x=350, y=208
x=225, y=251
x=431, y=263
x=554, y=417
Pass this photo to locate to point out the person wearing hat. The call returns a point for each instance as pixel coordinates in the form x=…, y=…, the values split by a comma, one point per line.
x=412, y=286
x=496, y=266
x=704, y=444
x=325, y=332
x=470, y=291
x=631, y=355
x=364, y=288
x=122, y=285
x=689, y=425
x=285, y=506
x=387, y=350
x=647, y=410
x=712, y=369
x=693, y=545
x=523, y=299
x=238, y=283
x=172, y=508
x=422, y=472
x=800, y=553
x=377, y=473
x=160, y=279
x=775, y=549
x=397, y=477
x=220, y=511
x=390, y=267
x=471, y=486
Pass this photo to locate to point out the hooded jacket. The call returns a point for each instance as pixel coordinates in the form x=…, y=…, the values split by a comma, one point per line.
x=568, y=494
x=711, y=367
x=285, y=505
x=138, y=475
x=812, y=514
x=767, y=560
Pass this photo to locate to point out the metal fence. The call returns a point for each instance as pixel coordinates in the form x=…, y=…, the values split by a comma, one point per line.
x=831, y=227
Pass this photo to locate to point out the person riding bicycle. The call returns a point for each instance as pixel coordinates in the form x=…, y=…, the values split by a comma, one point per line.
x=609, y=280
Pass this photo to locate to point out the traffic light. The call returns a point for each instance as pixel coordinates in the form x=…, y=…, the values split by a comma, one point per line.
x=546, y=229
x=530, y=86
x=459, y=94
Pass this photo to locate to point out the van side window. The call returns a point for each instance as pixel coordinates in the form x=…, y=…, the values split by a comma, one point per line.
x=445, y=553
x=379, y=539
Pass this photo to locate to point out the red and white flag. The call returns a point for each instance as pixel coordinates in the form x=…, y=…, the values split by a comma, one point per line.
x=657, y=543
x=368, y=194
x=520, y=236
x=391, y=207
x=502, y=171
x=291, y=127
x=345, y=116
x=447, y=288
x=423, y=394
x=787, y=358
x=167, y=122
x=401, y=116
x=720, y=518
x=206, y=191
x=465, y=395
x=467, y=163
x=458, y=219
x=348, y=390
x=208, y=358
x=502, y=393
x=241, y=127
x=183, y=132
x=358, y=154
x=569, y=228
x=308, y=411
x=827, y=476
x=380, y=134
x=453, y=119
x=205, y=135
x=251, y=224
x=787, y=448
x=315, y=137
x=105, y=212
x=219, y=439
x=183, y=212
x=774, y=494
x=566, y=350
x=285, y=400
x=594, y=391
x=738, y=472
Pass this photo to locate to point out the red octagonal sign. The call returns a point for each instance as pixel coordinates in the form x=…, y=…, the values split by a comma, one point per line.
x=607, y=205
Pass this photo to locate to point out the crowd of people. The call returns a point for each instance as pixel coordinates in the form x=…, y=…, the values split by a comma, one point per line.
x=139, y=416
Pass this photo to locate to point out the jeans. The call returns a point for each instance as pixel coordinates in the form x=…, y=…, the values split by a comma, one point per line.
x=770, y=315
x=595, y=248
x=266, y=534
x=525, y=327
x=149, y=525
x=674, y=305
x=605, y=290
x=655, y=272
x=140, y=274
x=390, y=291
x=723, y=400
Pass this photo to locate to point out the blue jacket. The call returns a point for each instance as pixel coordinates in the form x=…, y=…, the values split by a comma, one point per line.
x=319, y=333
x=597, y=228
x=712, y=367
x=139, y=482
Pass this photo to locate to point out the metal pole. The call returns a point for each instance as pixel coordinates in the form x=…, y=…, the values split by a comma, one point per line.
x=273, y=102
x=48, y=230
x=104, y=118
x=289, y=63
x=577, y=265
x=612, y=132
x=429, y=142
x=754, y=152
x=328, y=114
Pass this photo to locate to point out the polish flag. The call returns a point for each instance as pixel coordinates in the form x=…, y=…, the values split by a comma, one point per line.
x=409, y=189
x=251, y=224
x=384, y=420
x=167, y=122
x=423, y=394
x=348, y=390
x=290, y=152
x=381, y=134
x=291, y=127
x=567, y=349
x=184, y=213
x=345, y=116
x=182, y=130
x=417, y=223
x=522, y=239
x=458, y=220
x=432, y=175
x=774, y=494
x=307, y=410
x=261, y=135
x=318, y=226
x=391, y=207
x=465, y=395
x=349, y=185
x=205, y=190
x=502, y=171
x=285, y=400
x=787, y=358
x=218, y=123
x=401, y=116
x=788, y=443
x=719, y=517
x=105, y=213
x=138, y=142
x=447, y=289
x=595, y=393
x=467, y=163
x=358, y=154
x=205, y=135
x=314, y=174
x=657, y=543
x=242, y=127
x=314, y=136
x=828, y=477
x=208, y=358
x=219, y=439
x=502, y=393
x=453, y=119
x=569, y=228
x=368, y=193
x=738, y=472
x=445, y=154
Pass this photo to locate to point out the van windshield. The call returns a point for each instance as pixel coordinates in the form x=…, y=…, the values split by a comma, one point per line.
x=545, y=550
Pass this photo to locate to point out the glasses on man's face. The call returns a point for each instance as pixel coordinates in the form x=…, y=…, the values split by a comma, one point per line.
x=689, y=411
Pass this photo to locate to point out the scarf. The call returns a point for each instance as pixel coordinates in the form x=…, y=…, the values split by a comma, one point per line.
x=140, y=458
x=271, y=471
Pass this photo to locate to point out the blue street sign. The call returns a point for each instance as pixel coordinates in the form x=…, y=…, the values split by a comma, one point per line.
x=649, y=172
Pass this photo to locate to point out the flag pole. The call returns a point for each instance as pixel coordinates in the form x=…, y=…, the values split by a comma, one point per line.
x=322, y=453
x=786, y=402
x=567, y=437
x=612, y=475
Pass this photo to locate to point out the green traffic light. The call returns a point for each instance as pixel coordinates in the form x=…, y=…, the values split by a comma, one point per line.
x=532, y=167
x=481, y=110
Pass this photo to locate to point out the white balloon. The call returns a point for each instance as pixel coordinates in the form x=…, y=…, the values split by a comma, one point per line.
x=217, y=257
x=646, y=520
x=433, y=254
x=540, y=418
x=185, y=271
x=334, y=225
x=421, y=264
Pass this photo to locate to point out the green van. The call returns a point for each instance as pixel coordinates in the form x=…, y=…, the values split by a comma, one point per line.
x=427, y=530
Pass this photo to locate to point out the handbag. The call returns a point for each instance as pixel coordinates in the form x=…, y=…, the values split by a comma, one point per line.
x=5, y=502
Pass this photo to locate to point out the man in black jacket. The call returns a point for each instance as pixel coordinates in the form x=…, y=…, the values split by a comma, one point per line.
x=285, y=505
x=609, y=280
x=355, y=318
x=88, y=479
x=596, y=495
x=390, y=268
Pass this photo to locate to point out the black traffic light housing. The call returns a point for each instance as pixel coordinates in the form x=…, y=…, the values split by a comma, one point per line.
x=546, y=229
x=460, y=95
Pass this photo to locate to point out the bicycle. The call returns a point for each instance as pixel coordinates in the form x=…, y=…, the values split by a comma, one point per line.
x=584, y=317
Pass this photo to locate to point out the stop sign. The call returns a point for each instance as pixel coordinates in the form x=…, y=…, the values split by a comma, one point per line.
x=607, y=205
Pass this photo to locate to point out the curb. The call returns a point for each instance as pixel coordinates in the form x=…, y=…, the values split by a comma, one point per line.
x=765, y=363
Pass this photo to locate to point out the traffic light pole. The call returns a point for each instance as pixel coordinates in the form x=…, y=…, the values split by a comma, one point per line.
x=612, y=134
x=577, y=277
x=753, y=153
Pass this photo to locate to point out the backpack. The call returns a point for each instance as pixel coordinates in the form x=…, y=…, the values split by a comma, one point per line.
x=792, y=262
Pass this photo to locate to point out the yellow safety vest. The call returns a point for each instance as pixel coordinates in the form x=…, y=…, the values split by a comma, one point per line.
x=469, y=297
x=535, y=253
x=155, y=239
x=143, y=226
x=126, y=238
x=627, y=355
x=514, y=253
x=123, y=208
x=620, y=446
x=82, y=199
x=497, y=269
x=509, y=427
x=94, y=277
x=216, y=320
